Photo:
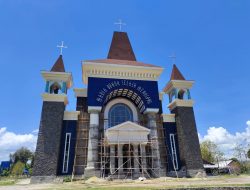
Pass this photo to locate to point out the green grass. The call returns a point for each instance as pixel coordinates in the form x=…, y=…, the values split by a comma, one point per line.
x=127, y=187
x=7, y=182
x=135, y=185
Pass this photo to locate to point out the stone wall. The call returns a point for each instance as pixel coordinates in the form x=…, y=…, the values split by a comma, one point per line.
x=81, y=104
x=190, y=154
x=49, y=137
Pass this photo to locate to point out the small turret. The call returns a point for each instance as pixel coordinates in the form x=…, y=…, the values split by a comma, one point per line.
x=181, y=106
x=57, y=81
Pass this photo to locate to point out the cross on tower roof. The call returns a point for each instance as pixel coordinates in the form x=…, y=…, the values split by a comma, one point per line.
x=61, y=47
x=120, y=23
x=173, y=57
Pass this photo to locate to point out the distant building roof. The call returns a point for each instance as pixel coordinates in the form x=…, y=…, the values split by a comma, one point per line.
x=5, y=165
x=207, y=162
x=58, y=66
x=220, y=164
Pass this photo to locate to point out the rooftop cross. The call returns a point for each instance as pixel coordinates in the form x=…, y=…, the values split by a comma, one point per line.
x=61, y=47
x=173, y=57
x=120, y=23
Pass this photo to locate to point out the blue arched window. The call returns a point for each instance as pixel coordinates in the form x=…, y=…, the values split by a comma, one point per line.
x=119, y=113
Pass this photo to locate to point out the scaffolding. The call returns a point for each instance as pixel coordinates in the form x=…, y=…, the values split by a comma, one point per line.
x=134, y=163
x=81, y=147
x=131, y=163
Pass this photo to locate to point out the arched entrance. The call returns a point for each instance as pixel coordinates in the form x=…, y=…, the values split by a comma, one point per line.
x=130, y=140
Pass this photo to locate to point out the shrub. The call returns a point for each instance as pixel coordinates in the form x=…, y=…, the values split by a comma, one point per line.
x=5, y=173
x=18, y=168
x=67, y=179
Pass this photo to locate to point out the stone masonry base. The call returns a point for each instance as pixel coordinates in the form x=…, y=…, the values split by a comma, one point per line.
x=45, y=179
x=90, y=172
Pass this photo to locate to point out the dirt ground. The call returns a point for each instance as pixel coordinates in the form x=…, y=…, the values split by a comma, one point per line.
x=160, y=183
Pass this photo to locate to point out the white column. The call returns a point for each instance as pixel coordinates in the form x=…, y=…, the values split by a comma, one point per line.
x=112, y=159
x=143, y=158
x=152, y=125
x=120, y=159
x=136, y=159
x=92, y=161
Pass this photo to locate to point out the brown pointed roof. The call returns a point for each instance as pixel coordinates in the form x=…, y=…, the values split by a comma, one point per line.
x=58, y=66
x=176, y=74
x=121, y=48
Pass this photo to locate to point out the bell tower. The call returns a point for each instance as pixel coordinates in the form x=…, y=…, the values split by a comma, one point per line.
x=181, y=105
x=54, y=101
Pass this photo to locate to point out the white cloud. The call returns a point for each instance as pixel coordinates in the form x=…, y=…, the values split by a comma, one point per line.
x=10, y=142
x=35, y=131
x=225, y=140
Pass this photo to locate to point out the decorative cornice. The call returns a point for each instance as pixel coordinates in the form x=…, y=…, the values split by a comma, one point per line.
x=71, y=115
x=168, y=118
x=81, y=92
x=104, y=70
x=180, y=103
x=181, y=84
x=58, y=76
x=151, y=110
x=55, y=98
x=119, y=127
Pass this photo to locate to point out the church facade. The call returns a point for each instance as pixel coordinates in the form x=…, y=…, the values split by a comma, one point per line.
x=118, y=129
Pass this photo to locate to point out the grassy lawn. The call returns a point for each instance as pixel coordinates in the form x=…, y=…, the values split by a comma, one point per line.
x=7, y=182
x=160, y=183
x=143, y=187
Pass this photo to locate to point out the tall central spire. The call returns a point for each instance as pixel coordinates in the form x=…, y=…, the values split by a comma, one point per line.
x=121, y=48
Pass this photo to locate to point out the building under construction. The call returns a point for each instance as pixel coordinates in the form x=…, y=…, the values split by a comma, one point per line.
x=118, y=129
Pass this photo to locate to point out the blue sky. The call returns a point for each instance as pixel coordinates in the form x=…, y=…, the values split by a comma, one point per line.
x=211, y=39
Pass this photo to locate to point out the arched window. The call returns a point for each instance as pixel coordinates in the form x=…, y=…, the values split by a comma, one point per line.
x=119, y=113
x=181, y=94
x=55, y=88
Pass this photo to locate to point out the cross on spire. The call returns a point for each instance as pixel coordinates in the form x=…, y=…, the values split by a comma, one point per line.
x=173, y=57
x=120, y=23
x=61, y=47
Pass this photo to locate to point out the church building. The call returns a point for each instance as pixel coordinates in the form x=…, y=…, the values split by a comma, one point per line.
x=118, y=129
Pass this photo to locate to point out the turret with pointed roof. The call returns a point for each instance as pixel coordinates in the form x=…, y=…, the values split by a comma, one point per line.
x=181, y=106
x=57, y=83
x=176, y=74
x=58, y=65
x=177, y=81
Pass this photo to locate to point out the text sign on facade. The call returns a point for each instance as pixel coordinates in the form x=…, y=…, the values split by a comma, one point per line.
x=143, y=93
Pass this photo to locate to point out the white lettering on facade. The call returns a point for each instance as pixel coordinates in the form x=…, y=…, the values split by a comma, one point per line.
x=123, y=83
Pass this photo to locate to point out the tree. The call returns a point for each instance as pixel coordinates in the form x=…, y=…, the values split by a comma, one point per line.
x=23, y=155
x=234, y=159
x=239, y=152
x=210, y=151
x=18, y=168
x=248, y=153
